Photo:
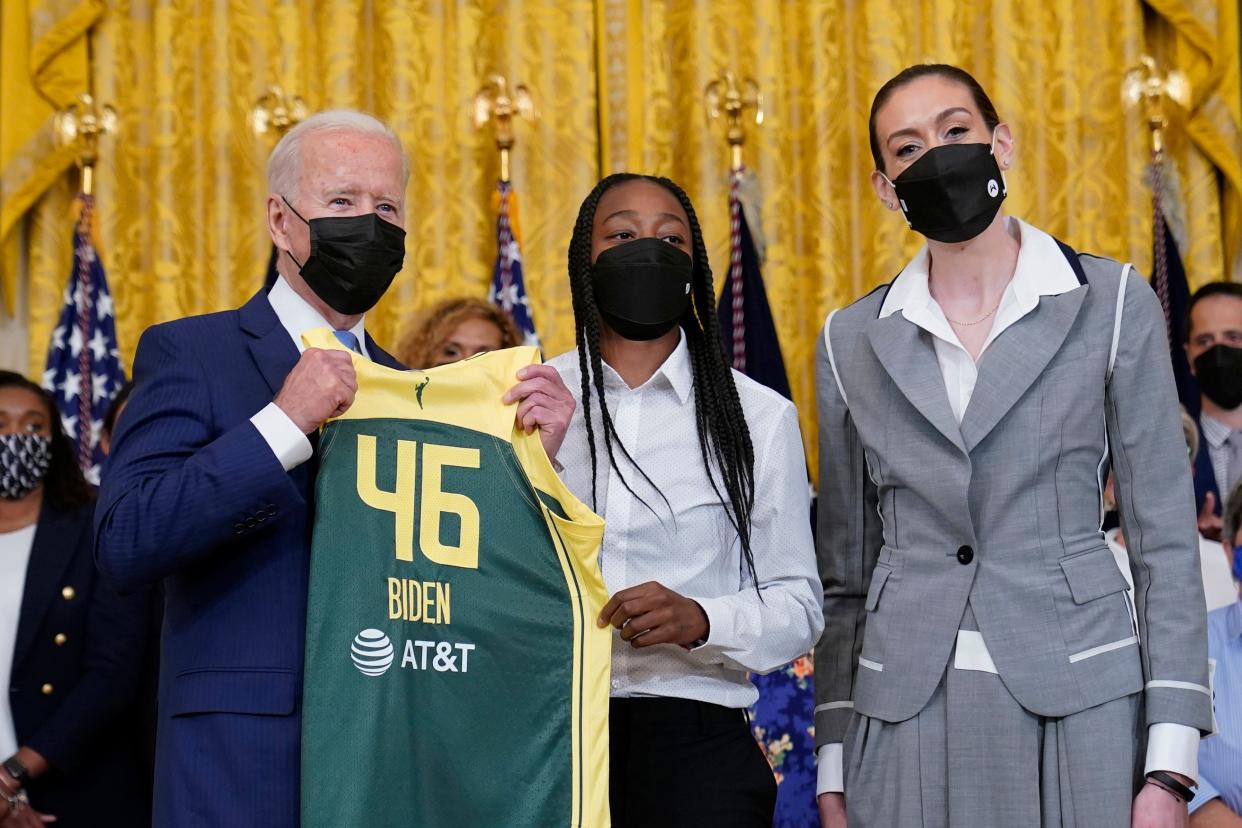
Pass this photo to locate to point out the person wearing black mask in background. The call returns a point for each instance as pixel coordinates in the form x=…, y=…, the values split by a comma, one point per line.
x=980, y=665
x=70, y=647
x=711, y=575
x=1214, y=349
x=209, y=485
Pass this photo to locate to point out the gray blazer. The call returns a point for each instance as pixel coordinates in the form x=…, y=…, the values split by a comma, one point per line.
x=918, y=515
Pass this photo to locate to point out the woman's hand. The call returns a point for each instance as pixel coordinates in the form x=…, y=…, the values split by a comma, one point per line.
x=651, y=613
x=15, y=812
x=1157, y=807
x=27, y=817
x=545, y=403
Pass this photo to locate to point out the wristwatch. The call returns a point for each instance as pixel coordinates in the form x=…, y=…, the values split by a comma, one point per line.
x=14, y=768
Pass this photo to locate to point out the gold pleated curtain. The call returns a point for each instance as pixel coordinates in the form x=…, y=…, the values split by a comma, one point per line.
x=180, y=192
x=620, y=84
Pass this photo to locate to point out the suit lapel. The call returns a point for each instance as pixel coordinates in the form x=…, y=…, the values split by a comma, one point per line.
x=270, y=344
x=907, y=354
x=55, y=542
x=1015, y=359
x=380, y=356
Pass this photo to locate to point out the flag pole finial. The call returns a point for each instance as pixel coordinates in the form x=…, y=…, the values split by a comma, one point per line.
x=275, y=112
x=728, y=97
x=80, y=126
x=1161, y=95
x=500, y=103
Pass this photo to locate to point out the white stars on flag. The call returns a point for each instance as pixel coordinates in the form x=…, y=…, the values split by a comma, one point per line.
x=103, y=306
x=99, y=387
x=71, y=386
x=75, y=342
x=99, y=345
x=84, y=370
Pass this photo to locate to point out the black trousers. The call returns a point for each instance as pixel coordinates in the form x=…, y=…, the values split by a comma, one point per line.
x=683, y=763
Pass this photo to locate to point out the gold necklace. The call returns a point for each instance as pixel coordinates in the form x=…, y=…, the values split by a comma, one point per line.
x=980, y=319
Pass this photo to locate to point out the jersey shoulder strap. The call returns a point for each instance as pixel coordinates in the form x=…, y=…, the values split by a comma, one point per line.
x=467, y=394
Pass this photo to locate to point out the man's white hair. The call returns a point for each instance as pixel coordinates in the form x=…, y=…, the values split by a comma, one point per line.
x=284, y=162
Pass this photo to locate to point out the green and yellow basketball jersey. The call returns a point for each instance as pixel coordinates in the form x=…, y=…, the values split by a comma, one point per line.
x=454, y=672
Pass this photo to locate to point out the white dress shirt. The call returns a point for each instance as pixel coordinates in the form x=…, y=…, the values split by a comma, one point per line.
x=296, y=315
x=687, y=543
x=1041, y=270
x=14, y=557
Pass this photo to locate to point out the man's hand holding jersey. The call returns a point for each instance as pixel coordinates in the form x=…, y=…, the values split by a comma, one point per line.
x=322, y=385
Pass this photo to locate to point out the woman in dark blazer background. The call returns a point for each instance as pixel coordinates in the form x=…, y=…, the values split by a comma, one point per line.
x=74, y=646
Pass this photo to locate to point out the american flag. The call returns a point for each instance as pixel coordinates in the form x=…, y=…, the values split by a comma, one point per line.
x=783, y=720
x=1168, y=276
x=84, y=369
x=508, y=287
x=745, y=317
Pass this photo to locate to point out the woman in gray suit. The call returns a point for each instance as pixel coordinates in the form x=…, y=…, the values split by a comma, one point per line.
x=980, y=665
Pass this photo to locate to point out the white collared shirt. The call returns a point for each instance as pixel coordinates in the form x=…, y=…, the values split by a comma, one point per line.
x=1215, y=434
x=688, y=544
x=1041, y=270
x=297, y=317
x=15, y=549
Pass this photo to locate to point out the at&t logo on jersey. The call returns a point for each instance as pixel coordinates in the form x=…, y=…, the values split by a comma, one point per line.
x=372, y=652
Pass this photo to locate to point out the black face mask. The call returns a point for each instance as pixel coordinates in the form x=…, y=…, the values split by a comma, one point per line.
x=642, y=287
x=1218, y=371
x=952, y=193
x=353, y=259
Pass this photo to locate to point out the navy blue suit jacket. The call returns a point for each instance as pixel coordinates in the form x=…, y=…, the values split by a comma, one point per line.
x=1204, y=474
x=74, y=685
x=194, y=495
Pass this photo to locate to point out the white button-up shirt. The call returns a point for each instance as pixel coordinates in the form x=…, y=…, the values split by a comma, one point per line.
x=685, y=540
x=1216, y=434
x=1041, y=270
x=15, y=550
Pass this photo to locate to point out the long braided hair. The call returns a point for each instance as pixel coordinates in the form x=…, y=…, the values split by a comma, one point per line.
x=724, y=439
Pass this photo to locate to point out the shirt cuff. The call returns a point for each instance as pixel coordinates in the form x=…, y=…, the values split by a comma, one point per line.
x=829, y=770
x=1205, y=794
x=284, y=438
x=1173, y=748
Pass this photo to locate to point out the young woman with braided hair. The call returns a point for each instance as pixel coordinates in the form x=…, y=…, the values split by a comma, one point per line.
x=700, y=476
